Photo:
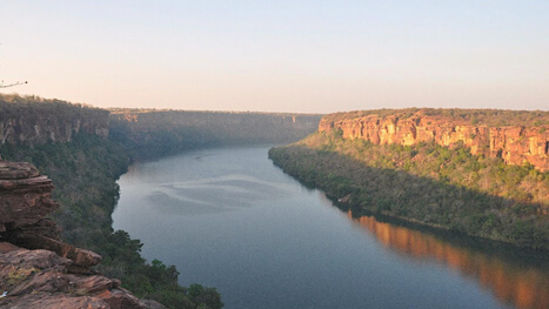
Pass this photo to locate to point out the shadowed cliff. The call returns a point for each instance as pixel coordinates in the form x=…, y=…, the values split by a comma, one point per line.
x=71, y=143
x=37, y=121
x=84, y=166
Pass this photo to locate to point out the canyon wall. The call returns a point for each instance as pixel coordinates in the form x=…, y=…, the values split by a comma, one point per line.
x=36, y=121
x=515, y=144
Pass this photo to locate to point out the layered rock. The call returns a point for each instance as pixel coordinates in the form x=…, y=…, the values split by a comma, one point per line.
x=37, y=269
x=43, y=279
x=25, y=196
x=35, y=121
x=514, y=144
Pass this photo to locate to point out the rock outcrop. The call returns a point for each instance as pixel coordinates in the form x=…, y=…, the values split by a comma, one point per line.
x=37, y=269
x=514, y=144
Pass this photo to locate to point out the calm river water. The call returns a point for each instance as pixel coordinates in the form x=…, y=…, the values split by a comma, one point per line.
x=230, y=219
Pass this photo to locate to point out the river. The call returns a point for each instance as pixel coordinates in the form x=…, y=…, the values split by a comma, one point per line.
x=230, y=219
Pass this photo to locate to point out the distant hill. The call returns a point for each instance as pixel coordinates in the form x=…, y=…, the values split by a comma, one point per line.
x=153, y=133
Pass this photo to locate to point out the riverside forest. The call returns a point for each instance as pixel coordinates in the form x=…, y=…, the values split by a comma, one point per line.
x=481, y=175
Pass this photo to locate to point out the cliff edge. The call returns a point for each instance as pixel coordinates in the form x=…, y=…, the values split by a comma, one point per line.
x=37, y=269
x=36, y=121
x=484, y=132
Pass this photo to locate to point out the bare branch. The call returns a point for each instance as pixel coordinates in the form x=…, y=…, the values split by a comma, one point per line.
x=2, y=85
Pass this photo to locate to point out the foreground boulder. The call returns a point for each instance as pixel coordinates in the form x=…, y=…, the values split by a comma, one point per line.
x=37, y=269
x=42, y=279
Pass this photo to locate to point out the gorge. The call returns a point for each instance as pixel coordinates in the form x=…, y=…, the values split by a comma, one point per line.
x=266, y=241
x=262, y=238
x=79, y=147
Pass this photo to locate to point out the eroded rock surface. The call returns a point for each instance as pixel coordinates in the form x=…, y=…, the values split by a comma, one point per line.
x=42, y=279
x=36, y=121
x=514, y=144
x=25, y=195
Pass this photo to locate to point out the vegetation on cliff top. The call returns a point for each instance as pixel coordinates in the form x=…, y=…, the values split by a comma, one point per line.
x=480, y=117
x=427, y=184
x=13, y=105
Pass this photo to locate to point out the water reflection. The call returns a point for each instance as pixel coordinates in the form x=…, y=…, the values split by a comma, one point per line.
x=525, y=286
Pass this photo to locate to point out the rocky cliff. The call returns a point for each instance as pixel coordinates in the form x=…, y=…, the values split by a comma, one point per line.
x=37, y=269
x=33, y=120
x=525, y=138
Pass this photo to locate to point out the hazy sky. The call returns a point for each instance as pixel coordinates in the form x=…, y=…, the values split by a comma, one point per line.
x=299, y=56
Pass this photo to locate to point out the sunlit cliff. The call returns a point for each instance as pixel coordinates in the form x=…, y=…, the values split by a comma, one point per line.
x=516, y=137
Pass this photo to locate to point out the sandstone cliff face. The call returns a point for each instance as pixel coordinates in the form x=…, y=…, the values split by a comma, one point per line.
x=38, y=270
x=34, y=121
x=514, y=144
